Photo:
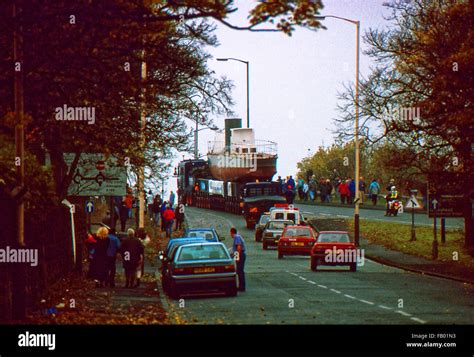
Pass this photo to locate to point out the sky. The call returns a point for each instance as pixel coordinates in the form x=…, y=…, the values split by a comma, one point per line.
x=294, y=80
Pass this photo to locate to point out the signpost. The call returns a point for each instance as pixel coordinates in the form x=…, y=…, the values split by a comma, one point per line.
x=89, y=207
x=97, y=175
x=434, y=251
x=413, y=204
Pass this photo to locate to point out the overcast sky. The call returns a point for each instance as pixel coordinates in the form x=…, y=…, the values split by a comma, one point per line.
x=294, y=80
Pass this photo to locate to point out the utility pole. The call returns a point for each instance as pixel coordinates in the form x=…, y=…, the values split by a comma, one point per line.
x=141, y=169
x=19, y=288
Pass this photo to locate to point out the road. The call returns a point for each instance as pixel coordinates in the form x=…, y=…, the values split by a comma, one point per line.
x=288, y=292
x=378, y=215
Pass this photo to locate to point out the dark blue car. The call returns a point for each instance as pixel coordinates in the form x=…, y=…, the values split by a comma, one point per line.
x=209, y=234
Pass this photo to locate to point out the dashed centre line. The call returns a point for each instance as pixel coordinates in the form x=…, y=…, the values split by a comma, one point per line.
x=361, y=300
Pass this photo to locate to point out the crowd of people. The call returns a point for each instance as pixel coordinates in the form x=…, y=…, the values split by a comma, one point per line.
x=331, y=189
x=104, y=246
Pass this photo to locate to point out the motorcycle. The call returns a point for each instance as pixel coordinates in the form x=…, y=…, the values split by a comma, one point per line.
x=393, y=207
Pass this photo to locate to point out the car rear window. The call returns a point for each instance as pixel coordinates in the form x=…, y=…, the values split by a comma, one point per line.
x=279, y=215
x=334, y=237
x=264, y=219
x=292, y=217
x=201, y=234
x=277, y=225
x=203, y=252
x=298, y=232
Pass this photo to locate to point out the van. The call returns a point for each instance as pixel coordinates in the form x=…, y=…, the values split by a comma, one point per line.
x=288, y=214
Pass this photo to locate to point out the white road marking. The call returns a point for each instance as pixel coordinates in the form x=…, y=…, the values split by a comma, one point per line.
x=406, y=314
x=403, y=313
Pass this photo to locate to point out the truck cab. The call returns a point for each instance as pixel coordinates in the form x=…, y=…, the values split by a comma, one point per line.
x=257, y=198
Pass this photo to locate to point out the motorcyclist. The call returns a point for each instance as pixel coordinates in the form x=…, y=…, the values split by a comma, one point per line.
x=391, y=196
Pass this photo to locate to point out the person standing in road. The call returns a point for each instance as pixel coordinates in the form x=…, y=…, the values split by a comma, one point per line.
x=344, y=192
x=112, y=250
x=291, y=183
x=352, y=190
x=169, y=216
x=155, y=207
x=162, y=211
x=362, y=188
x=312, y=188
x=374, y=190
x=238, y=250
x=179, y=214
x=290, y=195
x=172, y=198
x=329, y=187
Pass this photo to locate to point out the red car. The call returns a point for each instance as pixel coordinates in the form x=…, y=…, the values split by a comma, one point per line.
x=334, y=248
x=296, y=240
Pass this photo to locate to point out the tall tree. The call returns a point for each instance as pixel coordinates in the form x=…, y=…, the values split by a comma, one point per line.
x=419, y=96
x=88, y=53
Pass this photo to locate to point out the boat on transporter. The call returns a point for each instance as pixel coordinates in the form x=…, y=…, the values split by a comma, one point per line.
x=235, y=155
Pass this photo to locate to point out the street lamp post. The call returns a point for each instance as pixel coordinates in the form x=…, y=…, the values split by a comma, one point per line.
x=196, y=142
x=356, y=125
x=248, y=85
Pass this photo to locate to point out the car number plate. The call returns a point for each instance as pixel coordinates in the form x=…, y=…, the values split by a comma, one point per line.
x=297, y=244
x=204, y=270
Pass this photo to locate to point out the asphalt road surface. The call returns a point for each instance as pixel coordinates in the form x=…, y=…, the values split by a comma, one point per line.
x=288, y=292
x=378, y=215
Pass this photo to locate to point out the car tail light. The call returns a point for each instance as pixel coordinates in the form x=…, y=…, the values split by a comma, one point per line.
x=253, y=210
x=230, y=267
x=268, y=234
x=183, y=271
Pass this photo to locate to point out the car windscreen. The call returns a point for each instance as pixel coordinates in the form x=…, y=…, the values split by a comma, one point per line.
x=201, y=234
x=277, y=225
x=298, y=232
x=202, y=252
x=334, y=237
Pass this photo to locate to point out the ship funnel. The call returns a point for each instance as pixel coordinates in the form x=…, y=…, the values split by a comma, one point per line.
x=231, y=124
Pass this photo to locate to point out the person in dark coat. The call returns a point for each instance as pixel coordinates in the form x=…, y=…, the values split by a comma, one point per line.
x=132, y=252
x=179, y=216
x=101, y=261
x=112, y=250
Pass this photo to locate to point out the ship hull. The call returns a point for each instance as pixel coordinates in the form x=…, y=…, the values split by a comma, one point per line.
x=238, y=168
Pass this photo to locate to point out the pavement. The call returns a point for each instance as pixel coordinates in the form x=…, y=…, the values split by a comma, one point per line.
x=286, y=291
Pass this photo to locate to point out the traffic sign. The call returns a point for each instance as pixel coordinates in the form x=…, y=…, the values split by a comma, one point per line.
x=446, y=198
x=89, y=207
x=413, y=203
x=97, y=175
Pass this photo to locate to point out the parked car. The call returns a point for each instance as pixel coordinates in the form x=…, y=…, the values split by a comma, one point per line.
x=334, y=248
x=200, y=266
x=210, y=234
x=296, y=240
x=164, y=257
x=264, y=218
x=272, y=232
